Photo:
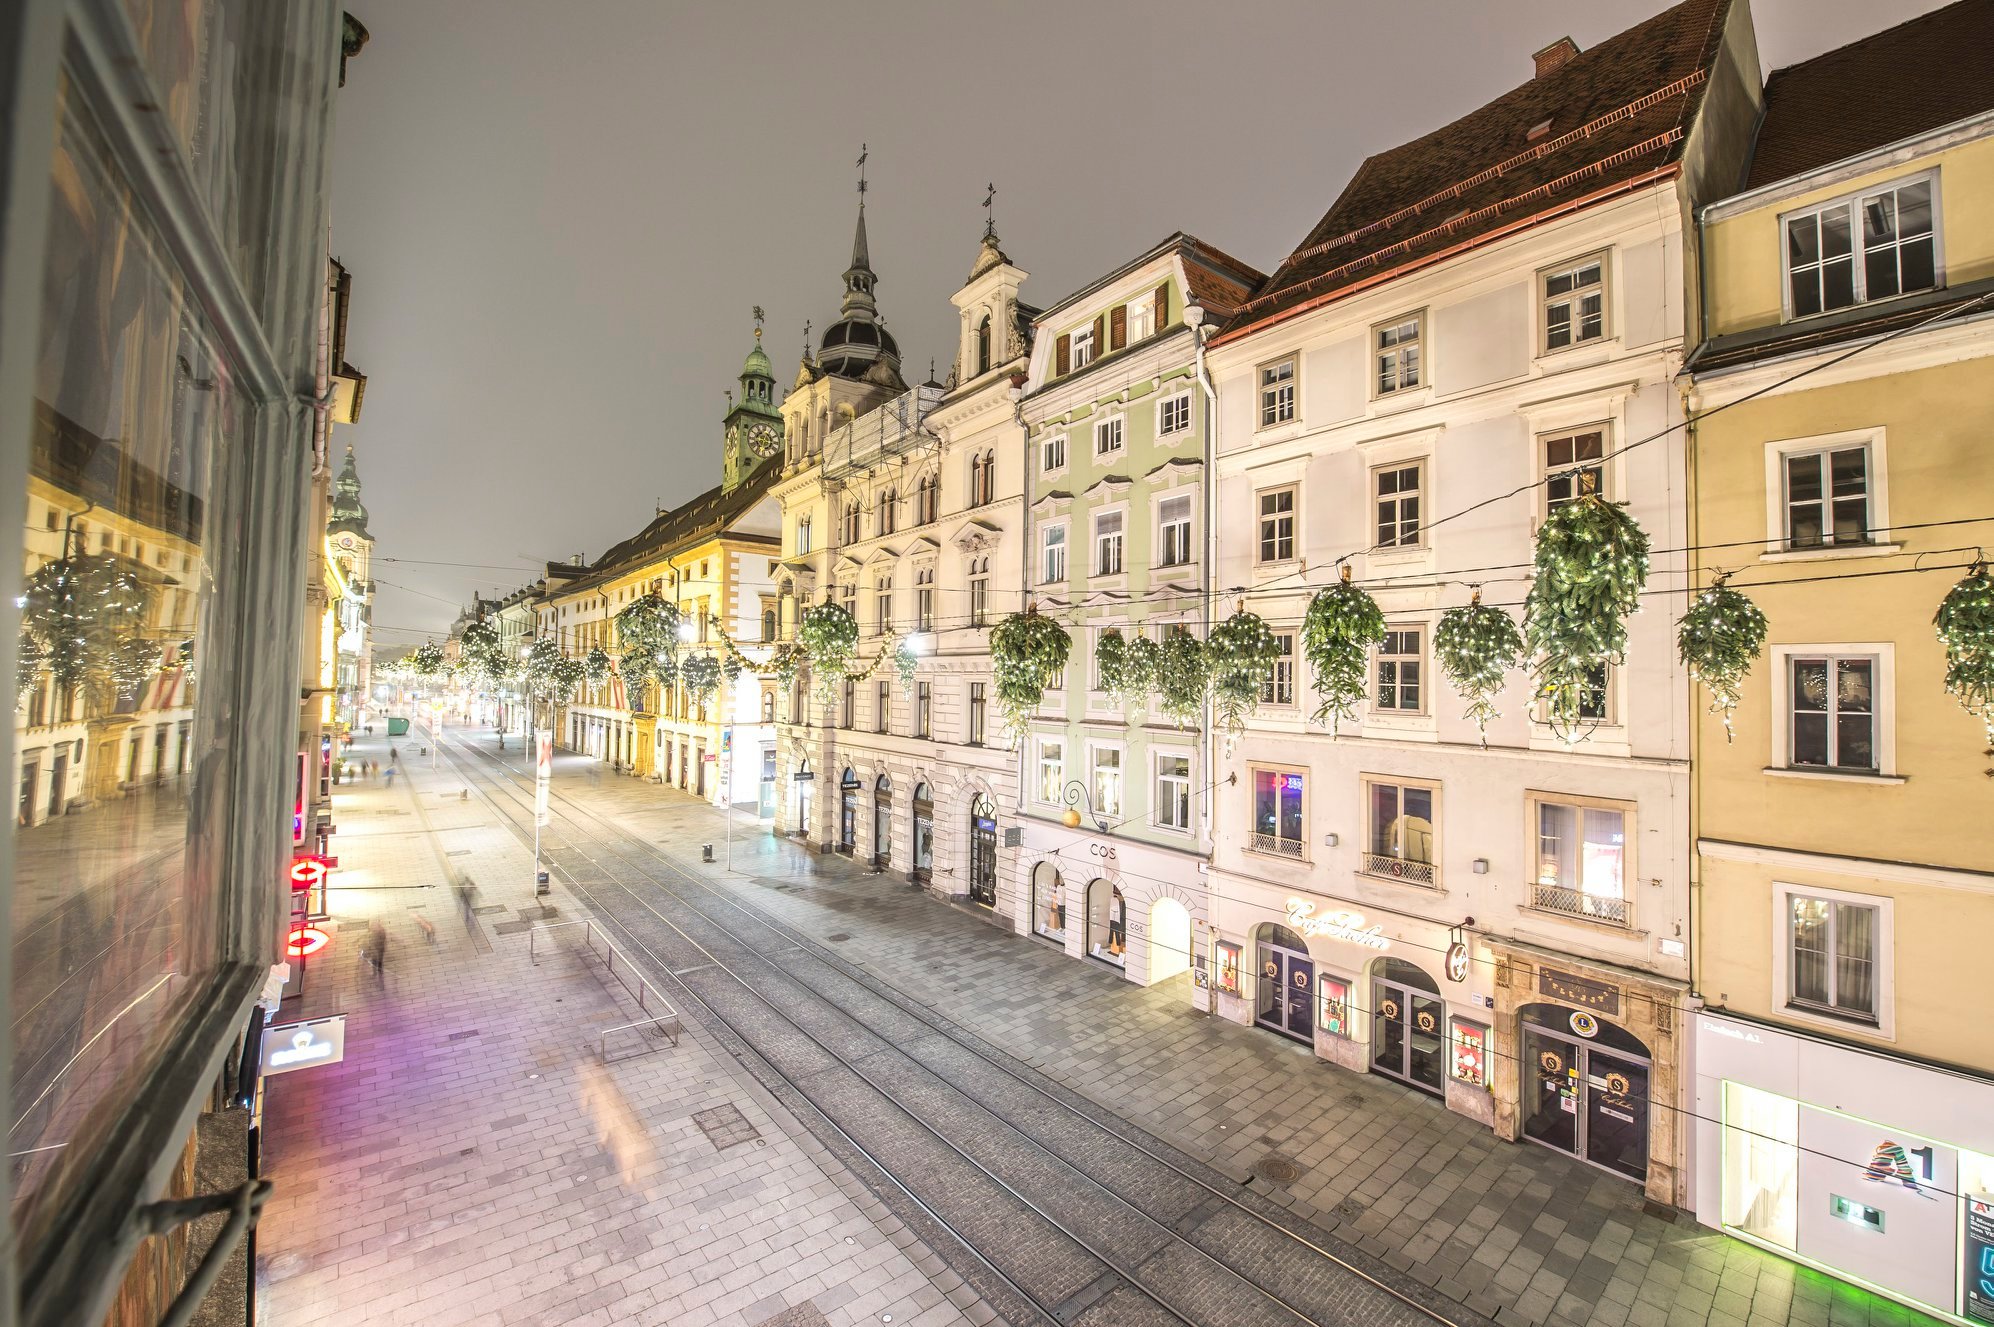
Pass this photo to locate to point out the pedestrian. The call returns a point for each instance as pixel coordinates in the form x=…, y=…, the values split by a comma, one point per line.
x=394, y=755
x=375, y=951
x=389, y=778
x=467, y=896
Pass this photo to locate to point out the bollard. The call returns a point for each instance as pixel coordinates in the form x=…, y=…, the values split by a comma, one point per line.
x=540, y=885
x=705, y=852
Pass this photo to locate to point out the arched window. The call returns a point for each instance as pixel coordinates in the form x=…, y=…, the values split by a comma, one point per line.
x=768, y=623
x=926, y=504
x=882, y=823
x=852, y=521
x=979, y=590
x=983, y=851
x=768, y=707
x=1107, y=922
x=888, y=499
x=983, y=345
x=1048, y=901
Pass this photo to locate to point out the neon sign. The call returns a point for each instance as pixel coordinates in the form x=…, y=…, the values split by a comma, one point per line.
x=1346, y=926
x=306, y=941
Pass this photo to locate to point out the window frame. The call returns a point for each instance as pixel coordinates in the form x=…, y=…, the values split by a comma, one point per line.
x=1166, y=405
x=1120, y=514
x=1117, y=425
x=1629, y=813
x=976, y=714
x=1164, y=524
x=1047, y=444
x=882, y=719
x=924, y=598
x=1270, y=689
x=1260, y=519
x=1079, y=339
x=1254, y=769
x=1047, y=546
x=1418, y=544
x=1141, y=311
x=1095, y=750
x=1157, y=802
x=1883, y=716
x=1542, y=441
x=1262, y=388
x=1058, y=764
x=1423, y=375
x=924, y=709
x=1422, y=683
x=1852, y=201
x=1544, y=300
x=1875, y=442
x=1883, y=966
x=1366, y=782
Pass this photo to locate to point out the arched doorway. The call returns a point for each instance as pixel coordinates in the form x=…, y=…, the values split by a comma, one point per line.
x=1285, y=998
x=804, y=780
x=983, y=851
x=1107, y=922
x=924, y=834
x=1408, y=1026
x=848, y=811
x=1585, y=1088
x=1169, y=939
x=1048, y=902
x=882, y=822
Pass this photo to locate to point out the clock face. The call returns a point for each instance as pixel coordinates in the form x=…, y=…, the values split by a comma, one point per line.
x=762, y=437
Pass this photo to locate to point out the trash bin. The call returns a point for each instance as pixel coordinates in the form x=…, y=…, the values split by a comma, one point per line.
x=540, y=885
x=705, y=852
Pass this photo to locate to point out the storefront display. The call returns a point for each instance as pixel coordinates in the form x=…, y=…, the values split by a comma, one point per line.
x=1588, y=1088
x=848, y=811
x=1048, y=901
x=882, y=823
x=924, y=834
x=1470, y=1056
x=1225, y=967
x=1107, y=923
x=1892, y=1187
x=1335, y=1019
x=983, y=851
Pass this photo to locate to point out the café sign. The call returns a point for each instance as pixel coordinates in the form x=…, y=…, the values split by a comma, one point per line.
x=1346, y=926
x=291, y=1046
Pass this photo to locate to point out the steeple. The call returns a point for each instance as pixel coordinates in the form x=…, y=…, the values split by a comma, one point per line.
x=347, y=513
x=858, y=345
x=754, y=424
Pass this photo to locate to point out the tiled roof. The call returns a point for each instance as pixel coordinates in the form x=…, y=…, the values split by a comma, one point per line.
x=1934, y=70
x=1609, y=116
x=702, y=518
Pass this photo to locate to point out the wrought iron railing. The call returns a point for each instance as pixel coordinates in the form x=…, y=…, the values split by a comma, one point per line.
x=1398, y=868
x=1576, y=903
x=1276, y=844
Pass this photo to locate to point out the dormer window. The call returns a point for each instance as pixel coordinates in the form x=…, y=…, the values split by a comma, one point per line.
x=1083, y=348
x=1142, y=319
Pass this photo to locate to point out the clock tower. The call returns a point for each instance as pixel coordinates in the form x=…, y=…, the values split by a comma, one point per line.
x=754, y=423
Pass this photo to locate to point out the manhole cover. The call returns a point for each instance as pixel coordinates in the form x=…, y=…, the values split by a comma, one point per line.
x=1277, y=1169
x=725, y=1126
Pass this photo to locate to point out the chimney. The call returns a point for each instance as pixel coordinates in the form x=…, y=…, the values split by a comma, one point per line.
x=1555, y=56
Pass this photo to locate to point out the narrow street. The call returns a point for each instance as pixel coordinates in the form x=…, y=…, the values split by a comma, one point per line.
x=1103, y=1149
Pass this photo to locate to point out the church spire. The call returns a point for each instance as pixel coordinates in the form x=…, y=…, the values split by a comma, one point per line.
x=858, y=340
x=347, y=513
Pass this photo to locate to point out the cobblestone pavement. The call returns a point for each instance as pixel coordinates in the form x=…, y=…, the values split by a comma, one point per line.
x=1515, y=1232
x=473, y=1160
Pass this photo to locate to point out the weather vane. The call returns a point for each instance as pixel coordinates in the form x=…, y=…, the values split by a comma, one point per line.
x=758, y=324
x=806, y=338
x=864, y=152
x=989, y=217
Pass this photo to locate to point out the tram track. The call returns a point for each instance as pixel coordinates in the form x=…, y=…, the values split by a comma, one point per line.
x=1171, y=1244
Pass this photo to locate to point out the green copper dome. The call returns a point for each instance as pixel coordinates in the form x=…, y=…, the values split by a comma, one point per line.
x=757, y=364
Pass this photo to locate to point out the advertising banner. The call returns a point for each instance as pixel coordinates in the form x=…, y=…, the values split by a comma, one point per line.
x=543, y=774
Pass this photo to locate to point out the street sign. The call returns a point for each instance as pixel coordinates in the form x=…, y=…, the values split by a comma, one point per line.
x=292, y=1046
x=310, y=870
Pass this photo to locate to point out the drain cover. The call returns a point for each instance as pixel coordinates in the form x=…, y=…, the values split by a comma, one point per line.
x=725, y=1126
x=1350, y=1209
x=836, y=937
x=1277, y=1169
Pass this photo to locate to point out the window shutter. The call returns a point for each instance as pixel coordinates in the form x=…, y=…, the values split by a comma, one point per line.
x=1118, y=327
x=1162, y=306
x=1063, y=356
x=1100, y=335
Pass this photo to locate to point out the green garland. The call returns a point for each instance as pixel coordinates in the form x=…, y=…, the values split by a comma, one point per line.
x=783, y=663
x=87, y=615
x=1965, y=626
x=828, y=635
x=1476, y=647
x=1140, y=668
x=568, y=675
x=1181, y=676
x=133, y=660
x=596, y=665
x=701, y=674
x=648, y=632
x=480, y=656
x=1338, y=631
x=1592, y=560
x=426, y=660
x=1240, y=654
x=1026, y=652
x=1111, y=658
x=1718, y=640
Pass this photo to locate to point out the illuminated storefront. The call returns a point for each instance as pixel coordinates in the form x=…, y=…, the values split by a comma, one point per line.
x=1872, y=1168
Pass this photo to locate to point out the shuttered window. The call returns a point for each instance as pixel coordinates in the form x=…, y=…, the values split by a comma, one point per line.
x=1118, y=327
x=1062, y=356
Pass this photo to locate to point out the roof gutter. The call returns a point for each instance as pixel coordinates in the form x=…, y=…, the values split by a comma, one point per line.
x=1231, y=334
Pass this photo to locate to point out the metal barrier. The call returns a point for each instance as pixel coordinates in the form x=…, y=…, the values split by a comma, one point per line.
x=663, y=1019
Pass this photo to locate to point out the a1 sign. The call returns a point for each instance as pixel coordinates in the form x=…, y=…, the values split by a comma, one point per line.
x=310, y=871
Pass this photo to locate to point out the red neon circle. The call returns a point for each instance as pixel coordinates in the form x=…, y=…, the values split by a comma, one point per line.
x=307, y=871
x=306, y=941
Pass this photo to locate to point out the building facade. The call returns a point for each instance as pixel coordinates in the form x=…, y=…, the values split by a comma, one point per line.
x=1844, y=1089
x=1487, y=324
x=349, y=552
x=1118, y=423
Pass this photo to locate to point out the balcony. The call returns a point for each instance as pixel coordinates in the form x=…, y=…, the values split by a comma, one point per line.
x=1278, y=846
x=1607, y=908
x=1399, y=868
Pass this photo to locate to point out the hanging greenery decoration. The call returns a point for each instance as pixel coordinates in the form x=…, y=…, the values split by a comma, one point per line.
x=648, y=631
x=701, y=674
x=1181, y=675
x=133, y=660
x=1338, y=631
x=1240, y=654
x=86, y=615
x=1144, y=660
x=1965, y=625
x=543, y=666
x=481, y=655
x=1718, y=640
x=569, y=674
x=426, y=660
x=1111, y=656
x=596, y=665
x=1592, y=560
x=30, y=663
x=1476, y=647
x=730, y=668
x=1027, y=651
x=905, y=662
x=828, y=635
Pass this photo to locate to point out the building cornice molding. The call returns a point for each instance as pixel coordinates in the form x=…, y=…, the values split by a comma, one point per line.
x=1863, y=868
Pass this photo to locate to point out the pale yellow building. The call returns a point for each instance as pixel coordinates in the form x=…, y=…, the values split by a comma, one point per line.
x=1839, y=476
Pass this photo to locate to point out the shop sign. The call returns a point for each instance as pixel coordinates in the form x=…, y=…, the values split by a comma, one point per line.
x=1584, y=1024
x=1977, y=1270
x=306, y=941
x=1595, y=995
x=292, y=1046
x=1346, y=926
x=311, y=870
x=1457, y=962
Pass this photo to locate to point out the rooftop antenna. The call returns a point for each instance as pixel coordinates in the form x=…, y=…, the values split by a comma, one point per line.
x=989, y=217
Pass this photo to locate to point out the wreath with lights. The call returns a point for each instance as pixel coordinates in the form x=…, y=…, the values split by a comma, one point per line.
x=1338, y=631
x=1965, y=626
x=1591, y=563
x=1240, y=654
x=1476, y=647
x=1027, y=650
x=596, y=665
x=828, y=635
x=701, y=674
x=1718, y=640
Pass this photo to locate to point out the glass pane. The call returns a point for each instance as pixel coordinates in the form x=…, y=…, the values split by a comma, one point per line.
x=1803, y=241
x=1761, y=1164
x=1855, y=957
x=1617, y=1114
x=1837, y=241
x=1838, y=283
x=1416, y=835
x=1550, y=1090
x=1809, y=933
x=1879, y=273
x=1879, y=220
x=1915, y=267
x=1604, y=852
x=114, y=901
x=1384, y=819
x=1806, y=286
x=1557, y=842
x=1291, y=808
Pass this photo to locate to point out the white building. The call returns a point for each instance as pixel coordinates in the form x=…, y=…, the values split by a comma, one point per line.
x=1489, y=321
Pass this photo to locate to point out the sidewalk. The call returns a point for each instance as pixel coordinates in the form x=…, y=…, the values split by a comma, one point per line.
x=473, y=1160
x=1515, y=1232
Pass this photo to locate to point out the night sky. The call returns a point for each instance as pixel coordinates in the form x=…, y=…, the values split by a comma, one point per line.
x=560, y=216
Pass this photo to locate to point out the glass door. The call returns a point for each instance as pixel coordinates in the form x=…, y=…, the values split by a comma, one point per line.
x=1616, y=1112
x=1409, y=1035
x=1586, y=1100
x=1287, y=986
x=1550, y=1102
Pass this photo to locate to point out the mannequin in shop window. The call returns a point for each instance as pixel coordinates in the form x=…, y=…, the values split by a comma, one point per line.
x=1118, y=925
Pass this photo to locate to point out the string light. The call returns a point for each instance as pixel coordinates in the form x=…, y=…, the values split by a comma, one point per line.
x=1240, y=655
x=1027, y=650
x=828, y=634
x=1338, y=631
x=1476, y=647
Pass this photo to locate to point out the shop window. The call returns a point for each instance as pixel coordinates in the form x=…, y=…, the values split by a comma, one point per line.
x=1401, y=831
x=1468, y=1059
x=1107, y=923
x=1225, y=967
x=1048, y=901
x=1581, y=866
x=983, y=851
x=1762, y=1164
